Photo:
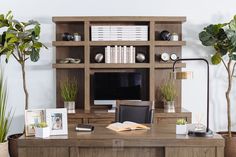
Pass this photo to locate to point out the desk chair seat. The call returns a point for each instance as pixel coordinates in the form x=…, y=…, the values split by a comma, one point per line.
x=135, y=111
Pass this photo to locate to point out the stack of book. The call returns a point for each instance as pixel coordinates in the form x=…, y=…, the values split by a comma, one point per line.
x=120, y=54
x=119, y=33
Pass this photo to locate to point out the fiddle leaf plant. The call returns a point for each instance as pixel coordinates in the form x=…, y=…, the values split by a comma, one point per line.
x=222, y=37
x=20, y=40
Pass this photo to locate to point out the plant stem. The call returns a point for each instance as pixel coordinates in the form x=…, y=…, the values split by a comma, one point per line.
x=228, y=97
x=24, y=85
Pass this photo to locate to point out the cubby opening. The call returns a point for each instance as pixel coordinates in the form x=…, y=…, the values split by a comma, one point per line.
x=75, y=52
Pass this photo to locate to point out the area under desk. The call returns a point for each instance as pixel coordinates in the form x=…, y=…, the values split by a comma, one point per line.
x=159, y=141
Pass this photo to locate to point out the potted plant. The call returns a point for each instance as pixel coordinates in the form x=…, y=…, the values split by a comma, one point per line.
x=222, y=37
x=168, y=92
x=181, y=126
x=21, y=41
x=69, y=90
x=42, y=130
x=5, y=118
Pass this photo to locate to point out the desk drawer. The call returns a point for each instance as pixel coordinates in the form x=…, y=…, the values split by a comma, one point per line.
x=101, y=120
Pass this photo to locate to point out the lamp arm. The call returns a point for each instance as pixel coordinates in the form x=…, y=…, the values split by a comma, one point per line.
x=208, y=81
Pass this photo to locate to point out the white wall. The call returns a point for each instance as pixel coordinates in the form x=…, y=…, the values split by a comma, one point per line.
x=41, y=77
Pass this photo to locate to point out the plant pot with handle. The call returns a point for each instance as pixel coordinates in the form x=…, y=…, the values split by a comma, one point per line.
x=222, y=37
x=13, y=144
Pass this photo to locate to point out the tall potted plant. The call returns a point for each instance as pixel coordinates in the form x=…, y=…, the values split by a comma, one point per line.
x=21, y=41
x=222, y=37
x=5, y=118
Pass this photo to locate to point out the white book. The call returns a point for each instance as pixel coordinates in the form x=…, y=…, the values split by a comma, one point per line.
x=131, y=54
x=134, y=54
x=115, y=54
x=128, y=54
x=108, y=54
x=125, y=55
x=122, y=55
x=119, y=54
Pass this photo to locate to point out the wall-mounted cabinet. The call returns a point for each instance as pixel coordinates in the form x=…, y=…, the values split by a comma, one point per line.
x=154, y=71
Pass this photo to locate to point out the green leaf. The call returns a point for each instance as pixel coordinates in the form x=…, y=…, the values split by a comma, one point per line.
x=222, y=49
x=34, y=55
x=207, y=39
x=37, y=45
x=233, y=56
x=216, y=58
x=1, y=17
x=213, y=29
x=37, y=30
x=231, y=34
x=232, y=24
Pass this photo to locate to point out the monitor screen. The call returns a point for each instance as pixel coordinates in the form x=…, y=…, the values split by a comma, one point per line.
x=117, y=86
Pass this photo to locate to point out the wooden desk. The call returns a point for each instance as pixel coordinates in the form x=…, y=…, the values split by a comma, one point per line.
x=159, y=141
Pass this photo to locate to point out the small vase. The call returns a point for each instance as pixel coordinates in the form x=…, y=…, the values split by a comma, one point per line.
x=70, y=105
x=4, y=149
x=42, y=132
x=169, y=106
x=181, y=129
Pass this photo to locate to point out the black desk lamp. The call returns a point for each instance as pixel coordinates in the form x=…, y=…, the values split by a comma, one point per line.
x=185, y=75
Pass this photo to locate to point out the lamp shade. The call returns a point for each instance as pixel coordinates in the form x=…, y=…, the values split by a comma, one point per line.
x=180, y=75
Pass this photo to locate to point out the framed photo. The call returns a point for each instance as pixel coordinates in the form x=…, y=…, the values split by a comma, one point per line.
x=32, y=118
x=57, y=121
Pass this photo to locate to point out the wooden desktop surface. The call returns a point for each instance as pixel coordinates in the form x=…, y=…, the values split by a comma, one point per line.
x=159, y=141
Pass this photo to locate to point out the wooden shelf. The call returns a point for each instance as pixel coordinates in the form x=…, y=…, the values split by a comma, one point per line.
x=159, y=19
x=132, y=43
x=169, y=65
x=170, y=43
x=68, y=43
x=121, y=66
x=67, y=66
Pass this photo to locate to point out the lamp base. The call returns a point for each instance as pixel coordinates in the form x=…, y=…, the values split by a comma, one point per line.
x=200, y=133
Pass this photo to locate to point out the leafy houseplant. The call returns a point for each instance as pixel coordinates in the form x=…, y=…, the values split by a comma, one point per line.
x=20, y=40
x=168, y=92
x=42, y=130
x=222, y=37
x=69, y=90
x=5, y=118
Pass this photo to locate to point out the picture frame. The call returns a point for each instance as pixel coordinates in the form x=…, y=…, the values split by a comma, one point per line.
x=57, y=121
x=32, y=118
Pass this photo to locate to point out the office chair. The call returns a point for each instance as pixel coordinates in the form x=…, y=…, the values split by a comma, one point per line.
x=135, y=111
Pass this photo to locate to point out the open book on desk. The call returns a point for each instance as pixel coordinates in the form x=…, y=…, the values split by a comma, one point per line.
x=126, y=126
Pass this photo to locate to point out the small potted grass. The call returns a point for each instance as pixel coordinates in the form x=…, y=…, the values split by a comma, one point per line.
x=181, y=126
x=42, y=130
x=69, y=91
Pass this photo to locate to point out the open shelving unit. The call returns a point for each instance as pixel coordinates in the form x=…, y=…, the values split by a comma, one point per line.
x=154, y=71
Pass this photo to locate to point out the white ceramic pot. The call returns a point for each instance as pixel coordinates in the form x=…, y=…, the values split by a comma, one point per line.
x=4, y=149
x=70, y=105
x=42, y=132
x=181, y=129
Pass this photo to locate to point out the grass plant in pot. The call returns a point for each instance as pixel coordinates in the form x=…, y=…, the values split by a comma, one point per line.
x=168, y=93
x=222, y=37
x=21, y=41
x=69, y=91
x=42, y=130
x=5, y=118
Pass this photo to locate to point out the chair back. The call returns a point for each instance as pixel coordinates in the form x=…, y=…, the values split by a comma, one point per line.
x=135, y=111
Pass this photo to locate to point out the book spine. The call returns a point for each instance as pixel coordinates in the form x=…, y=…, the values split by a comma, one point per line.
x=108, y=54
x=125, y=55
